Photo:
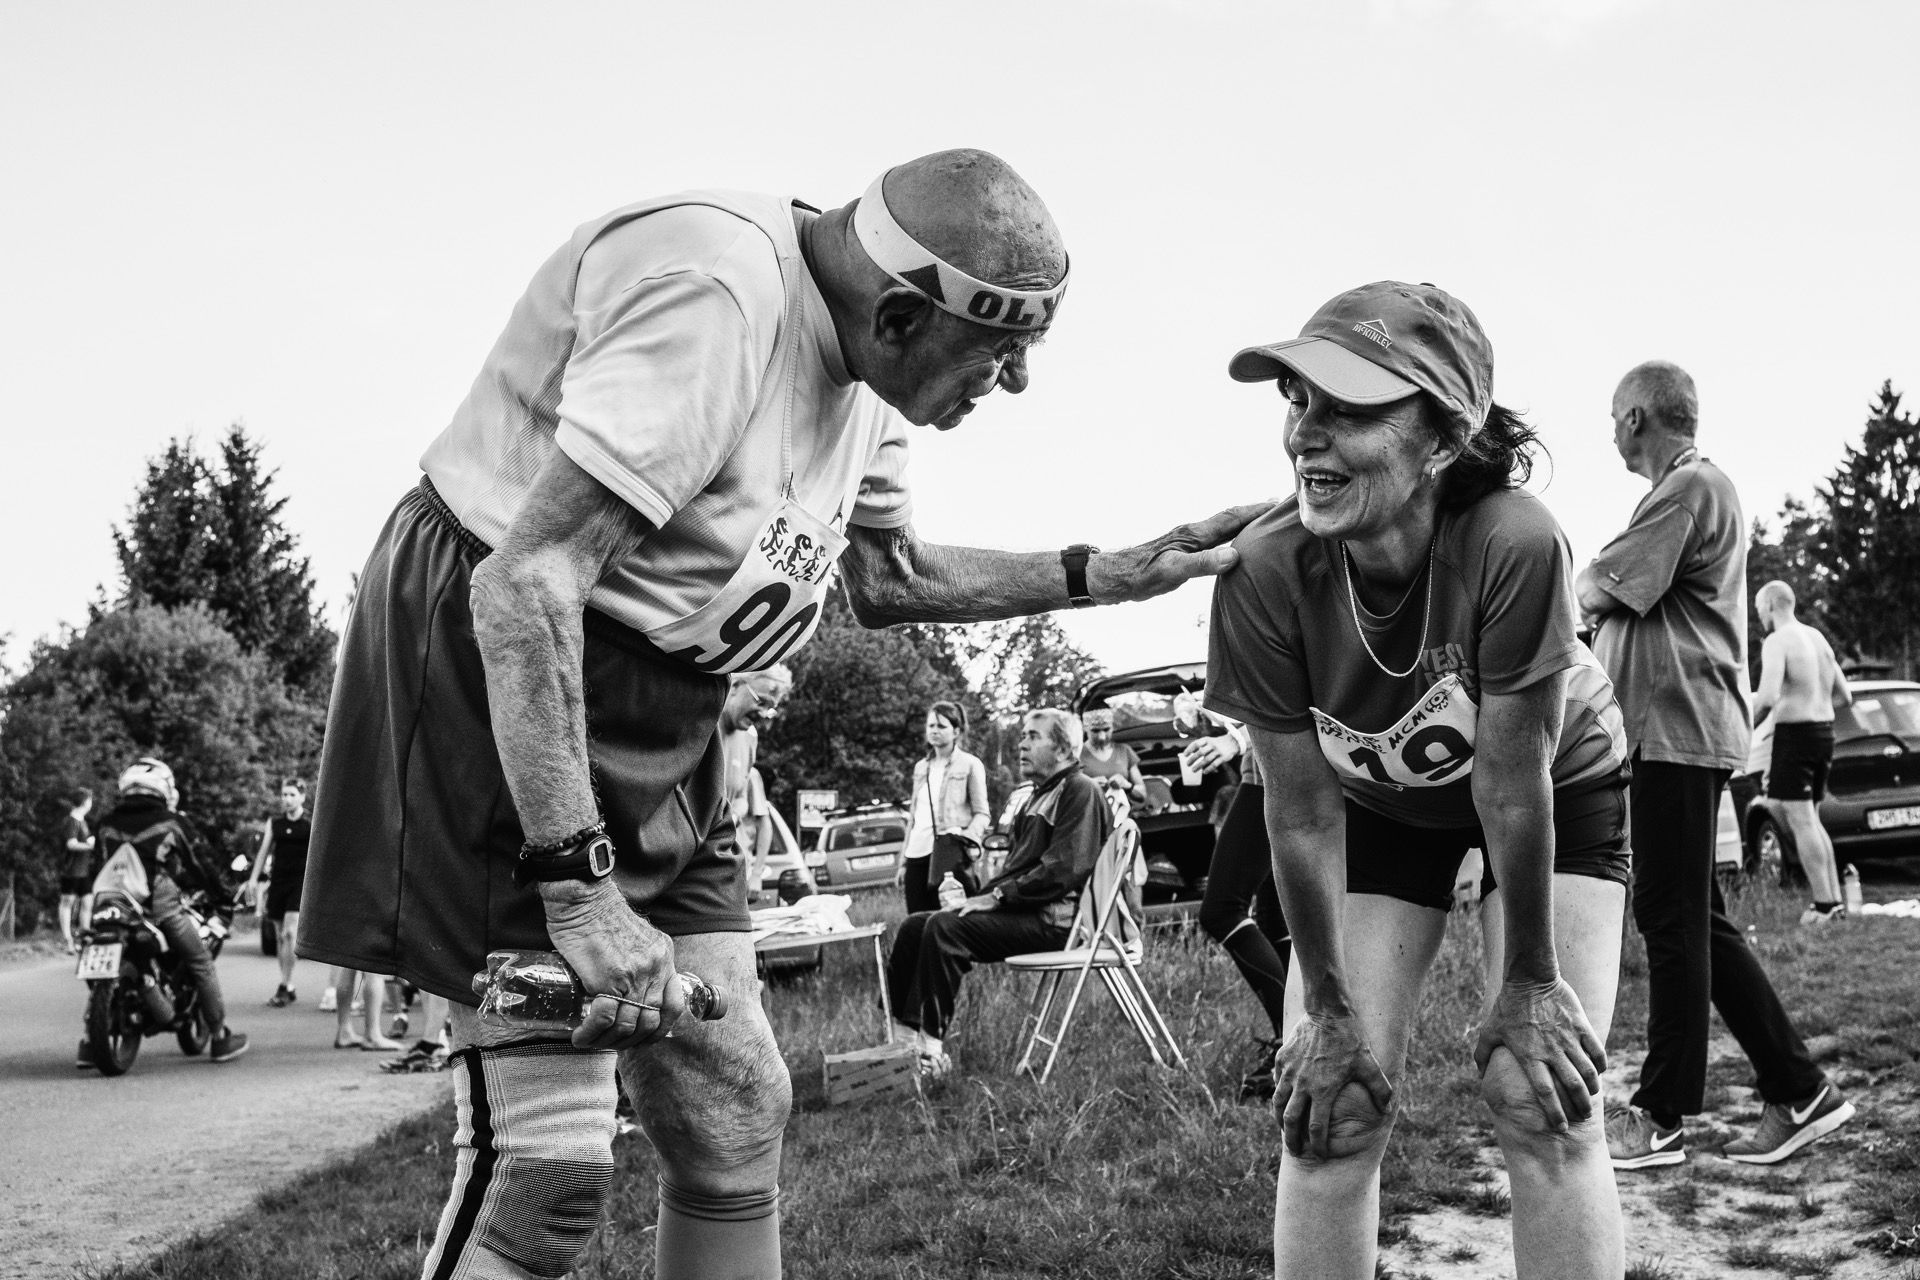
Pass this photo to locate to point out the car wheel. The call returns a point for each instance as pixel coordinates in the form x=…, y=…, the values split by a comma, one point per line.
x=1773, y=857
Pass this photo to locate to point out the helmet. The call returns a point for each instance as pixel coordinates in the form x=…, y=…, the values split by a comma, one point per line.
x=149, y=776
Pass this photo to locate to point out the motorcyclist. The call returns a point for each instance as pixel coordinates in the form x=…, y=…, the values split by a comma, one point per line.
x=172, y=856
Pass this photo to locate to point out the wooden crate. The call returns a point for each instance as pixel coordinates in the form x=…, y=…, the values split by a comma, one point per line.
x=870, y=1073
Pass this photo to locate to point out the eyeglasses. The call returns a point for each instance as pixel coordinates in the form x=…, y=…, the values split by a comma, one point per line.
x=764, y=705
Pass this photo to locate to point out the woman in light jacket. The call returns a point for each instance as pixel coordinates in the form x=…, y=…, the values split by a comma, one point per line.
x=949, y=796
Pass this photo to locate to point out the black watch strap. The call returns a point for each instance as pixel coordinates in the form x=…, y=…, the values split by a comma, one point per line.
x=591, y=859
x=1074, y=560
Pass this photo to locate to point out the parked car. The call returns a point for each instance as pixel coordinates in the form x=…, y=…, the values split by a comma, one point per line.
x=1872, y=807
x=1174, y=829
x=859, y=847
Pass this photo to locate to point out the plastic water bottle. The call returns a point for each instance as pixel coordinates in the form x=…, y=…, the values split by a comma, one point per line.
x=1850, y=889
x=952, y=892
x=539, y=991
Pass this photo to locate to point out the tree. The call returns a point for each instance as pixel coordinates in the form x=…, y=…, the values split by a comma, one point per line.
x=146, y=680
x=1025, y=663
x=197, y=534
x=1870, y=550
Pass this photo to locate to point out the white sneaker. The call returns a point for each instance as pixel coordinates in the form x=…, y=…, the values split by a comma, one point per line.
x=1813, y=915
x=328, y=1001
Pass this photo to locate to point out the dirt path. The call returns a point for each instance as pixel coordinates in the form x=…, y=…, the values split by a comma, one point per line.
x=95, y=1170
x=1682, y=1221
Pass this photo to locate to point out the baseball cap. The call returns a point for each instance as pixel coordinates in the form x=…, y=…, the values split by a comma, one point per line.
x=1383, y=342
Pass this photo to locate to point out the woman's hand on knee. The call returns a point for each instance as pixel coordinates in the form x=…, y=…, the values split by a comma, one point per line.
x=1543, y=1026
x=1331, y=1095
x=625, y=964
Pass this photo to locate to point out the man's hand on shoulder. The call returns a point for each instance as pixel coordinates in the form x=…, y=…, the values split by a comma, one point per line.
x=1187, y=551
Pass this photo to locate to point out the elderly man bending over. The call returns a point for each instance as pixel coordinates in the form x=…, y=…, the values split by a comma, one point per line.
x=1029, y=906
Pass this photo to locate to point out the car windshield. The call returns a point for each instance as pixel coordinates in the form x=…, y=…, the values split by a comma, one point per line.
x=860, y=835
x=1895, y=711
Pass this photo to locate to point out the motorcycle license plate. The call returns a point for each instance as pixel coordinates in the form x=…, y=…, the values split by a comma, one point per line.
x=99, y=960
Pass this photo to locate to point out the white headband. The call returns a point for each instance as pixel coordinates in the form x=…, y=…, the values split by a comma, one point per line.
x=951, y=289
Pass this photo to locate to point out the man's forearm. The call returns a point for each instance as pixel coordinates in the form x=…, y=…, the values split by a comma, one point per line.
x=914, y=581
x=1594, y=600
x=530, y=646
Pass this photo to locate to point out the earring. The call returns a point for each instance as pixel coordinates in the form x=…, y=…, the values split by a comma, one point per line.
x=1433, y=473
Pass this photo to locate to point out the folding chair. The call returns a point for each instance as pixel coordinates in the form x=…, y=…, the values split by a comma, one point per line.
x=1106, y=938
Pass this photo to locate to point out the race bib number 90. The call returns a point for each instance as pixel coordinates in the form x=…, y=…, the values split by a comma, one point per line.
x=1430, y=747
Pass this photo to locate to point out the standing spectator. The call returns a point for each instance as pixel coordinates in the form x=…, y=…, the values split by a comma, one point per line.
x=1240, y=909
x=1112, y=765
x=753, y=700
x=1029, y=906
x=1669, y=594
x=283, y=849
x=1800, y=685
x=76, y=866
x=949, y=798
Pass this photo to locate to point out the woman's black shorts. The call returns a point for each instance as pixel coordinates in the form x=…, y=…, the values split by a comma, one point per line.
x=1418, y=864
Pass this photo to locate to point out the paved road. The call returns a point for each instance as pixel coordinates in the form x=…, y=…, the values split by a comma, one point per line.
x=91, y=1169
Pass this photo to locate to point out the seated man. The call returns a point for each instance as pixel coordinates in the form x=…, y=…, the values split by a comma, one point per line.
x=1029, y=906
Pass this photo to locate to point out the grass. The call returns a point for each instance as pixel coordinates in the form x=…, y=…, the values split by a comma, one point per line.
x=1118, y=1168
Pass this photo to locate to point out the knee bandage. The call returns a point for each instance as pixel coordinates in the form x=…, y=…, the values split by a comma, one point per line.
x=534, y=1147
x=705, y=1237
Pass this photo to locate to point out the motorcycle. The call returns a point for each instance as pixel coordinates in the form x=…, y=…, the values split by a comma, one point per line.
x=137, y=986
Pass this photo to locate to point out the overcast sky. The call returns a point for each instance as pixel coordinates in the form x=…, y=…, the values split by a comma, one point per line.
x=314, y=219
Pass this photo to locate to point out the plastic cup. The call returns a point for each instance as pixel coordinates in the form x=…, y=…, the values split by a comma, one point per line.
x=1190, y=773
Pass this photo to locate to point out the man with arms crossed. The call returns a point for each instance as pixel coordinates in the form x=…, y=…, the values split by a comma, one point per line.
x=1800, y=685
x=695, y=414
x=1670, y=596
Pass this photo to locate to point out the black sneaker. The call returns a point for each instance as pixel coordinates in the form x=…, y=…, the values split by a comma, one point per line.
x=1257, y=1085
x=229, y=1045
x=282, y=997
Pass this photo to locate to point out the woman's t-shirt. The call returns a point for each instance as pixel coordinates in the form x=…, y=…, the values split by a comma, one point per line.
x=1285, y=655
x=1120, y=762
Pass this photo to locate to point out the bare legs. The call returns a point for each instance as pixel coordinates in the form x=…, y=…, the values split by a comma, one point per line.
x=345, y=1036
x=1815, y=848
x=1565, y=1210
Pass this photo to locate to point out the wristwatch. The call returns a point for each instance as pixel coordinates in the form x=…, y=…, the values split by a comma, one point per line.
x=590, y=859
x=1074, y=560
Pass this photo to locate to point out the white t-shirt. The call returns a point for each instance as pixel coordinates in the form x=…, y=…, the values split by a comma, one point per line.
x=654, y=349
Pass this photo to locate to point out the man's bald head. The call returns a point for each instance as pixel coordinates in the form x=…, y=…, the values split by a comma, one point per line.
x=1775, y=596
x=970, y=208
x=1664, y=394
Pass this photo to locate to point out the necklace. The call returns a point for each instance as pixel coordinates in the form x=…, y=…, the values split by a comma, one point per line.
x=1353, y=602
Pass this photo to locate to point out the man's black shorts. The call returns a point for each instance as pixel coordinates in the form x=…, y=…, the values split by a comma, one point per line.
x=283, y=893
x=76, y=886
x=1417, y=864
x=415, y=835
x=1802, y=758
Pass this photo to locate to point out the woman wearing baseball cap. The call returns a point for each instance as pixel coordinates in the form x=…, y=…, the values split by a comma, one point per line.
x=1399, y=639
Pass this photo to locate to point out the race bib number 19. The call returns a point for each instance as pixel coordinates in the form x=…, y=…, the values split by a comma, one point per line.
x=1430, y=747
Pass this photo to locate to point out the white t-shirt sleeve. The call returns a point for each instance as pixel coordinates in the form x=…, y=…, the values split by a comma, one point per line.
x=884, y=501
x=663, y=376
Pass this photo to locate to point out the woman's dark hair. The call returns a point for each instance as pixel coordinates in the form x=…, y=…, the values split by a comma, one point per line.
x=953, y=715
x=79, y=796
x=1498, y=456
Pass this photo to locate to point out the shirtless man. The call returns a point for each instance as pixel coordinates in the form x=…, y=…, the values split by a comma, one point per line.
x=1800, y=685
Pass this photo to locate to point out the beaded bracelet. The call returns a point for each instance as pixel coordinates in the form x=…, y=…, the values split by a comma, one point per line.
x=564, y=844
